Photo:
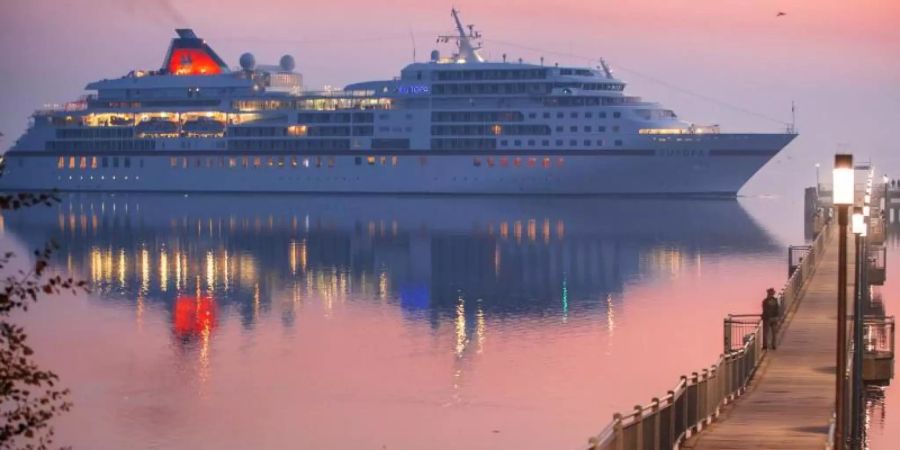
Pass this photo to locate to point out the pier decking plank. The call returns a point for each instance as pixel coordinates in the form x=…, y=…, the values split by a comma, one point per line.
x=791, y=398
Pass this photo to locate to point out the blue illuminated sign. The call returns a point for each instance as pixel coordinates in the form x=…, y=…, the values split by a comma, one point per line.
x=416, y=89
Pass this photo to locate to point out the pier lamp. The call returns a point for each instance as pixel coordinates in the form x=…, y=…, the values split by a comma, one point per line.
x=858, y=221
x=859, y=229
x=842, y=197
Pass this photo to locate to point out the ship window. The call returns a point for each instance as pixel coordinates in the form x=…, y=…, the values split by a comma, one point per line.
x=504, y=142
x=617, y=115
x=600, y=142
x=588, y=115
x=532, y=115
x=574, y=115
x=618, y=142
x=587, y=129
x=615, y=129
x=61, y=163
x=573, y=128
x=573, y=143
x=559, y=128
x=546, y=163
x=560, y=115
x=545, y=143
x=546, y=115
x=115, y=161
x=127, y=162
x=357, y=160
x=531, y=142
x=518, y=142
x=587, y=143
x=559, y=142
x=601, y=115
x=601, y=129
x=371, y=160
x=71, y=162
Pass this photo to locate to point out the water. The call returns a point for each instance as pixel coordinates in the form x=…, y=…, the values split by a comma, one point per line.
x=412, y=322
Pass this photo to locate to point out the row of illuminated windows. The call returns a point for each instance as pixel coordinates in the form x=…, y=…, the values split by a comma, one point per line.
x=504, y=161
x=95, y=162
x=504, y=74
x=256, y=162
x=559, y=142
x=587, y=129
x=513, y=116
x=576, y=114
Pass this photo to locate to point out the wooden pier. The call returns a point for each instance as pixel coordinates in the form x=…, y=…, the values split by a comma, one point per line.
x=752, y=398
x=790, y=400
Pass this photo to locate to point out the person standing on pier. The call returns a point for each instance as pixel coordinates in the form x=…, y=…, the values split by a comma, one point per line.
x=770, y=312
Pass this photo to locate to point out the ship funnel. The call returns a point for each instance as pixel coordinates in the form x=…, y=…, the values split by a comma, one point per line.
x=189, y=55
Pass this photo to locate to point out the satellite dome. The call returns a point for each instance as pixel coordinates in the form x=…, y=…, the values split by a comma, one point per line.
x=435, y=55
x=287, y=63
x=248, y=62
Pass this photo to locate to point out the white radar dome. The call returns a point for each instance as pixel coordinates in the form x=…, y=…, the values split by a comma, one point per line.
x=248, y=61
x=287, y=63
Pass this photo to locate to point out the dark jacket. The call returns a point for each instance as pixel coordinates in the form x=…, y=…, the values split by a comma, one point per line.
x=770, y=308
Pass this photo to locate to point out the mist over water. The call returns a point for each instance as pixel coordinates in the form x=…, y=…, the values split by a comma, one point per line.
x=409, y=322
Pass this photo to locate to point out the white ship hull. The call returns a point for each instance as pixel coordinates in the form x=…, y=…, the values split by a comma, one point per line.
x=714, y=166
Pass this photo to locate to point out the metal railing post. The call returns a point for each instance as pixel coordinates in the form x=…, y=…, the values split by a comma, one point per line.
x=656, y=424
x=639, y=427
x=619, y=433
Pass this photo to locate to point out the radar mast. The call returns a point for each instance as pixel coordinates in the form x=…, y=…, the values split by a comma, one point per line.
x=467, y=49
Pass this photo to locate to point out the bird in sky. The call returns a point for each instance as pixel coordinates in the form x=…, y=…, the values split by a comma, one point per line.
x=780, y=13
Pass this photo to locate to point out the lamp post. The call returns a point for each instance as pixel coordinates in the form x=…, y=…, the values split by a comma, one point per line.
x=842, y=198
x=817, y=180
x=859, y=230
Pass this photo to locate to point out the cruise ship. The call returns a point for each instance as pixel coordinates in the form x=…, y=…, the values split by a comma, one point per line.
x=453, y=124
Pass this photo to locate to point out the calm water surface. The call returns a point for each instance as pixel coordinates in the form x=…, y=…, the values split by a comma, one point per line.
x=382, y=322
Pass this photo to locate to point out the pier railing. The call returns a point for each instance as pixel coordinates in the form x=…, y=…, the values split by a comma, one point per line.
x=696, y=400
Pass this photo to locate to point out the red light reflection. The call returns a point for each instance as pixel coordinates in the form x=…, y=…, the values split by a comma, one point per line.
x=194, y=315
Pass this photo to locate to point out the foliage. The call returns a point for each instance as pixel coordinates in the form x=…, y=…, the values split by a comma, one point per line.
x=29, y=395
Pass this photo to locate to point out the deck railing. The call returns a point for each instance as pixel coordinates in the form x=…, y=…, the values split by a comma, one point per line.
x=696, y=400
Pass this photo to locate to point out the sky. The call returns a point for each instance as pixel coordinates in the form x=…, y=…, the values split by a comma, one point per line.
x=727, y=62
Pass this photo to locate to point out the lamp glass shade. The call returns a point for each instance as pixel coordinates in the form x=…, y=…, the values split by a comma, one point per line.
x=858, y=222
x=843, y=187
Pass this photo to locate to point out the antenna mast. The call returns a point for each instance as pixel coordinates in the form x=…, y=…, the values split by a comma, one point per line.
x=467, y=50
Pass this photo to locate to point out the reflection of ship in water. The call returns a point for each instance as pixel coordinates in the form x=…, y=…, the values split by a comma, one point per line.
x=203, y=253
